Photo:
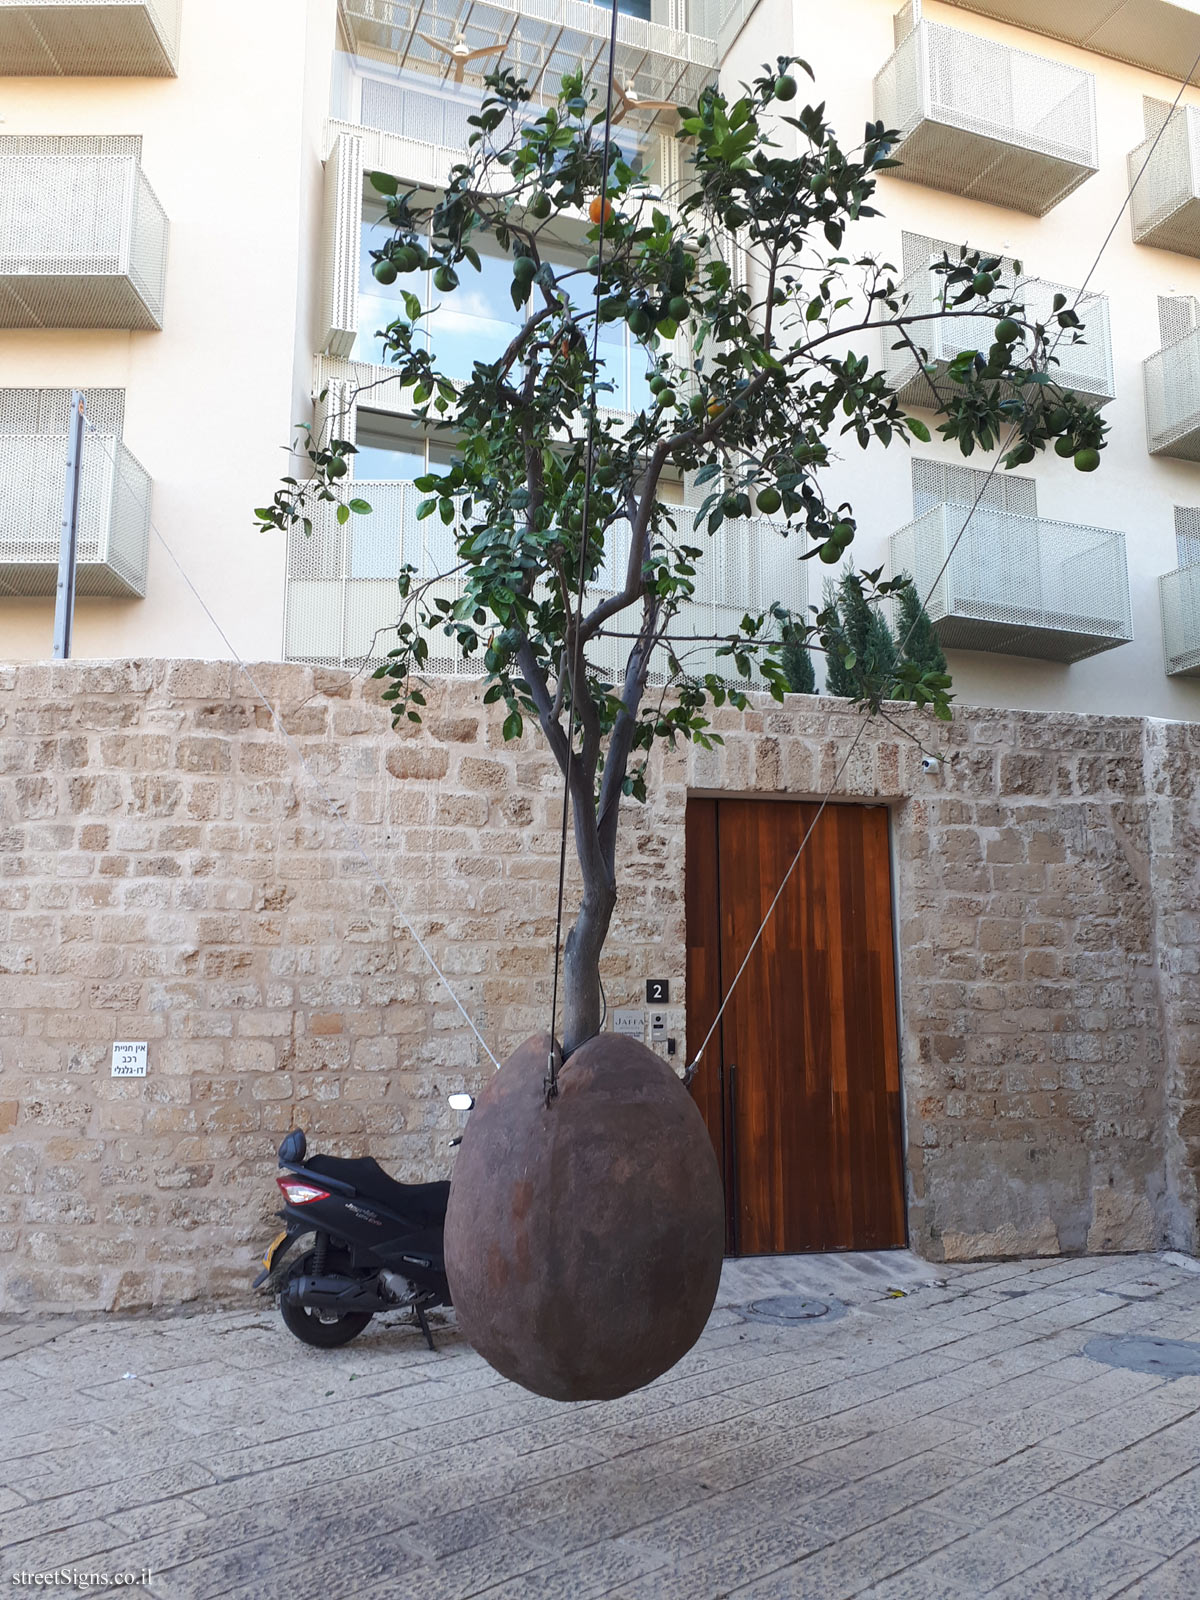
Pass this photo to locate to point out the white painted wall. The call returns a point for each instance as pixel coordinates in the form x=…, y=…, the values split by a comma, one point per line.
x=231, y=149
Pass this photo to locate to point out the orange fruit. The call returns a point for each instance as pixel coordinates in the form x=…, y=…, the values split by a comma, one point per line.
x=600, y=210
x=715, y=407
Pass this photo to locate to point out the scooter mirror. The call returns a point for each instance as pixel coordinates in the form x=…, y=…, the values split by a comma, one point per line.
x=462, y=1102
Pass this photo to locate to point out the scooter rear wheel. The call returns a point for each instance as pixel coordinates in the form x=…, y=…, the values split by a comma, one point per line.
x=308, y=1325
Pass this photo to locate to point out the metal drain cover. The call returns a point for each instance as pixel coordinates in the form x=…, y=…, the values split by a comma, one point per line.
x=1164, y=1358
x=789, y=1309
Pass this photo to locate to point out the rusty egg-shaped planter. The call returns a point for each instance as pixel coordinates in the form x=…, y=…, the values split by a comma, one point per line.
x=584, y=1238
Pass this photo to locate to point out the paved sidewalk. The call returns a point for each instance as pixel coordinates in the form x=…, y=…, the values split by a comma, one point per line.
x=952, y=1441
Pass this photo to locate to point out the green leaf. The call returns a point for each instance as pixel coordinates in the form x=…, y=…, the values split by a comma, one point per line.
x=918, y=429
x=384, y=183
x=513, y=725
x=343, y=514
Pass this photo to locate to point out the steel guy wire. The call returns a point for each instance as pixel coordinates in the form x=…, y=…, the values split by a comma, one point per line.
x=577, y=661
x=335, y=807
x=693, y=1065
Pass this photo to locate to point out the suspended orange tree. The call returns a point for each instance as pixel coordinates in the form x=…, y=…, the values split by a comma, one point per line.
x=750, y=403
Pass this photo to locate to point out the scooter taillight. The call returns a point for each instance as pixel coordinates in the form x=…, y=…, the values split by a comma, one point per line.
x=300, y=1194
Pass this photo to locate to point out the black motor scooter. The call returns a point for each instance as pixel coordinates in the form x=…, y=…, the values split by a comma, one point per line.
x=372, y=1244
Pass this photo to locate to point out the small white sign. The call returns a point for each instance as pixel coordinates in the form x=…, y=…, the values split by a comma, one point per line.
x=129, y=1060
x=630, y=1022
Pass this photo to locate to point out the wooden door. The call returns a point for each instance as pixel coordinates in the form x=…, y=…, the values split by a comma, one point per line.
x=800, y=1085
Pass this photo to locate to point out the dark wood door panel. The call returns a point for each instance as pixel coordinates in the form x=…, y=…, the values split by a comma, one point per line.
x=800, y=1087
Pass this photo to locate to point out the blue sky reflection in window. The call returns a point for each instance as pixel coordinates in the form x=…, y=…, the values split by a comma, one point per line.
x=631, y=8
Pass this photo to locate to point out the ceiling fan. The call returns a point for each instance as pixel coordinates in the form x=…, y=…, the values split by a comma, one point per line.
x=631, y=100
x=460, y=51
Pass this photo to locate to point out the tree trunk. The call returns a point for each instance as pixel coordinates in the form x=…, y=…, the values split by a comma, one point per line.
x=581, y=967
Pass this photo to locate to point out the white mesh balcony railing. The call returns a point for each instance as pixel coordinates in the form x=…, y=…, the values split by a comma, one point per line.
x=416, y=161
x=1086, y=369
x=114, y=515
x=83, y=240
x=543, y=39
x=1172, y=378
x=983, y=120
x=1159, y=35
x=1179, y=598
x=1018, y=585
x=1165, y=202
x=342, y=602
x=89, y=38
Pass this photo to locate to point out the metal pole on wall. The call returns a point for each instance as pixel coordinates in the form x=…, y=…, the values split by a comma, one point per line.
x=64, y=601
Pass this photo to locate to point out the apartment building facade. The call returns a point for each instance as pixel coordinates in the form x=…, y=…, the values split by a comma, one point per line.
x=186, y=221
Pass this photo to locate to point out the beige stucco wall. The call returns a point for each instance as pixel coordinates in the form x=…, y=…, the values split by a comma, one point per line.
x=168, y=873
x=231, y=148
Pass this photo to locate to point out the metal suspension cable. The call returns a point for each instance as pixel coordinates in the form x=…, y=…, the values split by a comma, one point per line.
x=694, y=1064
x=335, y=809
x=577, y=662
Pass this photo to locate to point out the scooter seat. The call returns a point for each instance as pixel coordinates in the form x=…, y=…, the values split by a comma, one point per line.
x=422, y=1202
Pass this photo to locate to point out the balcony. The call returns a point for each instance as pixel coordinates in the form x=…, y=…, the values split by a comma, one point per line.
x=1179, y=597
x=83, y=240
x=1172, y=378
x=413, y=161
x=89, y=38
x=1085, y=369
x=982, y=120
x=1165, y=205
x=342, y=605
x=1017, y=585
x=114, y=498
x=543, y=39
x=1156, y=34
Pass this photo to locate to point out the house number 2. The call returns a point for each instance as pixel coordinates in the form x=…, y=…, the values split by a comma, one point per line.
x=658, y=991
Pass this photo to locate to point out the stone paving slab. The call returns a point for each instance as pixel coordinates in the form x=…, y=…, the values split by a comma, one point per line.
x=944, y=1438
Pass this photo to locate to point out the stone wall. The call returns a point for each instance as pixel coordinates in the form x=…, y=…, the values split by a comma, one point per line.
x=169, y=872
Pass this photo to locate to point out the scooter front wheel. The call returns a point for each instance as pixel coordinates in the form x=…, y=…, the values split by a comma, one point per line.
x=308, y=1325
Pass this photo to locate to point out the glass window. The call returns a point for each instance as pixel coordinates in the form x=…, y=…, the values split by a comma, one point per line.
x=623, y=362
x=474, y=323
x=386, y=454
x=378, y=303
x=630, y=8
x=393, y=449
x=478, y=320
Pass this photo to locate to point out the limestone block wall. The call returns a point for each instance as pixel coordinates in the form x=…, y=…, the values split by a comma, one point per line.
x=169, y=872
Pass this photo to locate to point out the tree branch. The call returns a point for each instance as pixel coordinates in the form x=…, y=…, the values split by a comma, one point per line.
x=539, y=693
